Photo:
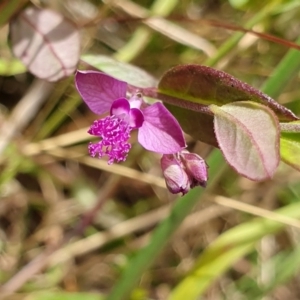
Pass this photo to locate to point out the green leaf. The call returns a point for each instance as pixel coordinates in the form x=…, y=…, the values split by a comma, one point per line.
x=290, y=144
x=205, y=85
x=226, y=250
x=248, y=136
x=122, y=71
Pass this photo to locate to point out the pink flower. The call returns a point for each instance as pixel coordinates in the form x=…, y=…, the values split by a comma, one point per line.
x=158, y=130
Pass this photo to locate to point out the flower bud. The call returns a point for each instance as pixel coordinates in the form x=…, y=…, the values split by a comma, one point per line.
x=184, y=171
x=196, y=168
x=176, y=178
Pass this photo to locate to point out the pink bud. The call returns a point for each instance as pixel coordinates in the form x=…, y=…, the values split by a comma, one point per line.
x=183, y=171
x=196, y=168
x=174, y=173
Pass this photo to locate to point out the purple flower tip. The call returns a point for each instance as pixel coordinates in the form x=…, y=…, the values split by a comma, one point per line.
x=114, y=133
x=177, y=180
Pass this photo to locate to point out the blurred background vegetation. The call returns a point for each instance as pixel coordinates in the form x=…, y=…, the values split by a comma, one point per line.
x=72, y=227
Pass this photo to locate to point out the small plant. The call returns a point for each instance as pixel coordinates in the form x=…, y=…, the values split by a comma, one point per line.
x=54, y=187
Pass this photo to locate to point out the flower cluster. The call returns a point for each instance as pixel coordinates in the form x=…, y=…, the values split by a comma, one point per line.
x=184, y=171
x=158, y=130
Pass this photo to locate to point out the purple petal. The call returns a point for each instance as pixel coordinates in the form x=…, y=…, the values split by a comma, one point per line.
x=136, y=119
x=120, y=107
x=99, y=90
x=160, y=132
x=175, y=176
x=196, y=167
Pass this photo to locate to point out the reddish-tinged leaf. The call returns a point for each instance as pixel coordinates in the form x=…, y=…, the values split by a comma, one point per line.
x=248, y=135
x=198, y=125
x=46, y=43
x=206, y=85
